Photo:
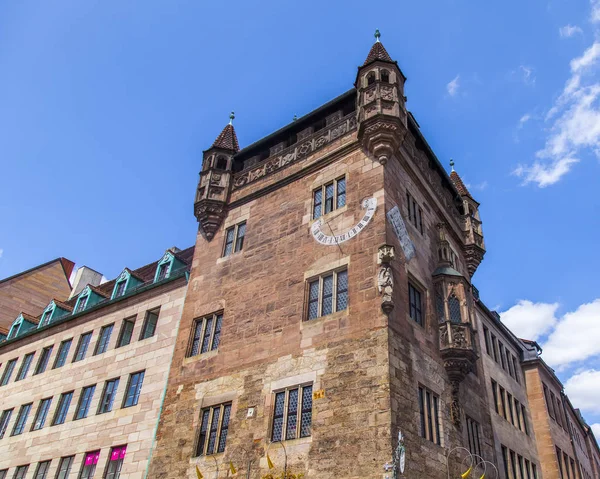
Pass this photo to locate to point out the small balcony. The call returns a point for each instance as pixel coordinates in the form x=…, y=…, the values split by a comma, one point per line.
x=457, y=347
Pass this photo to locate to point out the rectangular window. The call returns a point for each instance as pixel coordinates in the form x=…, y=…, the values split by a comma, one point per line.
x=206, y=334
x=327, y=293
x=509, y=403
x=64, y=467
x=41, y=471
x=60, y=415
x=511, y=371
x=534, y=470
x=83, y=406
x=486, y=337
x=495, y=393
x=126, y=332
x=41, y=414
x=4, y=420
x=501, y=350
x=516, y=369
x=134, y=388
x=115, y=462
x=88, y=468
x=213, y=429
x=63, y=352
x=149, y=326
x=573, y=468
x=24, y=369
x=21, y=472
x=503, y=402
x=518, y=414
x=292, y=414
x=3, y=473
x=415, y=214
x=163, y=269
x=430, y=425
x=82, y=346
x=549, y=404
x=520, y=460
x=108, y=396
x=528, y=468
x=505, y=460
x=120, y=289
x=524, y=416
x=566, y=464
x=81, y=304
x=334, y=194
x=495, y=347
x=103, y=339
x=42, y=363
x=21, y=419
x=234, y=239
x=513, y=463
x=559, y=459
x=473, y=436
x=415, y=303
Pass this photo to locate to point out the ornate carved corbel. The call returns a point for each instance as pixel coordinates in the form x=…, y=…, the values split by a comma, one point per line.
x=385, y=279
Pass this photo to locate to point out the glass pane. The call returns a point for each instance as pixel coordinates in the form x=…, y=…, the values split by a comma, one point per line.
x=217, y=335
x=313, y=302
x=239, y=241
x=214, y=424
x=306, y=416
x=327, y=295
x=341, y=193
x=342, y=291
x=224, y=428
x=292, y=415
x=318, y=197
x=278, y=416
x=197, y=337
x=328, y=198
x=228, y=242
x=454, y=308
x=207, y=333
x=203, y=429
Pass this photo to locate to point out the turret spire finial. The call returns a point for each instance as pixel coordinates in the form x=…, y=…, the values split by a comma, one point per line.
x=452, y=164
x=231, y=117
x=377, y=35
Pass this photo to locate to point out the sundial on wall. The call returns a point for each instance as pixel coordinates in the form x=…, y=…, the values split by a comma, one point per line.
x=323, y=234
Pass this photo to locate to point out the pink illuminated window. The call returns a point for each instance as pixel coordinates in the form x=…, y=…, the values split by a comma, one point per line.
x=89, y=465
x=115, y=463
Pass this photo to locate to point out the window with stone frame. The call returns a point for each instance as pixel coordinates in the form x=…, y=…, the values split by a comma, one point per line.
x=486, y=338
x=21, y=419
x=415, y=302
x=115, y=462
x=108, y=396
x=329, y=197
x=21, y=472
x=4, y=420
x=495, y=395
x=103, y=339
x=64, y=467
x=206, y=334
x=25, y=365
x=234, y=239
x=41, y=414
x=473, y=438
x=60, y=414
x=292, y=413
x=63, y=352
x=126, y=332
x=134, y=389
x=327, y=293
x=429, y=415
x=149, y=325
x=41, y=471
x=82, y=346
x=88, y=468
x=3, y=473
x=414, y=212
x=85, y=399
x=454, y=309
x=214, y=426
x=42, y=363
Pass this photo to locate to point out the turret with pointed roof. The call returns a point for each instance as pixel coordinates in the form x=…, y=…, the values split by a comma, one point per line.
x=474, y=244
x=380, y=100
x=215, y=180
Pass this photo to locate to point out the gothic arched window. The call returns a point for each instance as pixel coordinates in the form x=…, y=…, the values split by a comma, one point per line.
x=370, y=78
x=221, y=163
x=385, y=76
x=454, y=309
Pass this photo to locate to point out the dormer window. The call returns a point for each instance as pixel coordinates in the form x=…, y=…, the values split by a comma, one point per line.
x=163, y=270
x=120, y=291
x=385, y=76
x=46, y=317
x=81, y=303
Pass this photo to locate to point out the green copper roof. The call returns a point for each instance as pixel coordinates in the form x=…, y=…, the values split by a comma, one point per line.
x=447, y=270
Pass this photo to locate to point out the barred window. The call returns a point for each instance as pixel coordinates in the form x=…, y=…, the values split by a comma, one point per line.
x=473, y=436
x=415, y=302
x=206, y=334
x=454, y=309
x=329, y=197
x=213, y=429
x=429, y=415
x=327, y=293
x=292, y=416
x=234, y=239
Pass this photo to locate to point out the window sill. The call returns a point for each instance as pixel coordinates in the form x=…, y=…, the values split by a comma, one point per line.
x=293, y=442
x=330, y=215
x=222, y=259
x=209, y=457
x=320, y=319
x=198, y=357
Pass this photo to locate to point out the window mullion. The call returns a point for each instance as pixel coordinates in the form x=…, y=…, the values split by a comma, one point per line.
x=212, y=332
x=285, y=415
x=334, y=293
x=427, y=413
x=320, y=298
x=219, y=426
x=208, y=426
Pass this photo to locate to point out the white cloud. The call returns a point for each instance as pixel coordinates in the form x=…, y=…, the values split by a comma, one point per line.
x=481, y=186
x=1, y=252
x=596, y=429
x=524, y=119
x=582, y=389
x=595, y=17
x=569, y=30
x=530, y=320
x=453, y=86
x=527, y=74
x=575, y=338
x=544, y=174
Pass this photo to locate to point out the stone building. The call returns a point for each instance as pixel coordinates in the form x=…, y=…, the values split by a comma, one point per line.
x=82, y=379
x=334, y=258
x=566, y=444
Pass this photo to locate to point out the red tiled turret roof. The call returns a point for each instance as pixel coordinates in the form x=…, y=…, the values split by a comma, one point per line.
x=227, y=140
x=459, y=185
x=377, y=52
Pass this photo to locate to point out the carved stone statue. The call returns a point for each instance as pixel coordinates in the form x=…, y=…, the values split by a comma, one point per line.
x=385, y=279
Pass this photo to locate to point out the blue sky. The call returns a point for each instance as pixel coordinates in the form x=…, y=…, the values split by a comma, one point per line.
x=105, y=108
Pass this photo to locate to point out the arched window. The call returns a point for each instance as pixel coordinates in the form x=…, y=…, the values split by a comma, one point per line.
x=385, y=76
x=454, y=309
x=370, y=78
x=221, y=163
x=439, y=306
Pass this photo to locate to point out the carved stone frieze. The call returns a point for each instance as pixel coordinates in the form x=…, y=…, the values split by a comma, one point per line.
x=381, y=136
x=210, y=215
x=385, y=278
x=296, y=152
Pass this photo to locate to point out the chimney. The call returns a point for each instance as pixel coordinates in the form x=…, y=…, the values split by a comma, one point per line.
x=83, y=277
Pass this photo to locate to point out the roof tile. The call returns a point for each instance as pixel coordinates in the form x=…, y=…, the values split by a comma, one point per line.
x=227, y=139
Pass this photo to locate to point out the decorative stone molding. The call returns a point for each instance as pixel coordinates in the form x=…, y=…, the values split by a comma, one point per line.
x=296, y=152
x=210, y=215
x=385, y=279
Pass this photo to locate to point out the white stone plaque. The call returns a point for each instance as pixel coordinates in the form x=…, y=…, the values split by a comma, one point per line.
x=395, y=218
